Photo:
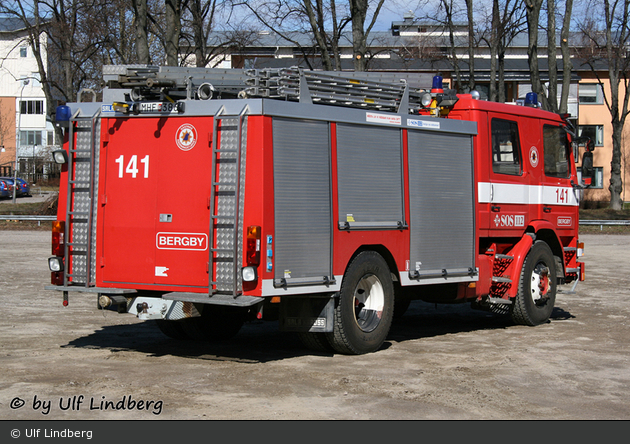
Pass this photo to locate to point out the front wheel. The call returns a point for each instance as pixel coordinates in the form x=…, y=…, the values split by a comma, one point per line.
x=537, y=287
x=364, y=312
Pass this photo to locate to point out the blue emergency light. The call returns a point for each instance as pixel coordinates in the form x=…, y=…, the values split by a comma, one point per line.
x=63, y=113
x=437, y=85
x=531, y=99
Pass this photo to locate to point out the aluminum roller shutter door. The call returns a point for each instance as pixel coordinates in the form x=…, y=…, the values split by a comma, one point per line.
x=370, y=190
x=441, y=196
x=301, y=161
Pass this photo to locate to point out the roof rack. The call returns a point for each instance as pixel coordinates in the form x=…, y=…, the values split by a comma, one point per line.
x=360, y=90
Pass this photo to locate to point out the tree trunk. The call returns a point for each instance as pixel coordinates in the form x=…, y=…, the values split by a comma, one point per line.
x=448, y=8
x=142, y=40
x=358, y=14
x=494, y=45
x=552, y=57
x=471, y=45
x=316, y=20
x=616, y=182
x=173, y=29
x=566, y=57
x=533, y=15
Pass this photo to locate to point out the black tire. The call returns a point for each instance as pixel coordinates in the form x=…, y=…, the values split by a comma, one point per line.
x=363, y=314
x=537, y=287
x=215, y=323
x=316, y=342
x=172, y=329
x=402, y=300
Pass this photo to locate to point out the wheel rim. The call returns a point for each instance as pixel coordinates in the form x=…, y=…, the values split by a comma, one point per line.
x=368, y=300
x=540, y=284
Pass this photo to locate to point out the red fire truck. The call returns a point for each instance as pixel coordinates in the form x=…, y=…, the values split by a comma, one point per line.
x=202, y=198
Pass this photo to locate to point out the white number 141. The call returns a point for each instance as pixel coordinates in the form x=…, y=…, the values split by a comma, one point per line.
x=132, y=166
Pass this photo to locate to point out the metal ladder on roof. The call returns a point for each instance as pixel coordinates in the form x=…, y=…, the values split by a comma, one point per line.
x=78, y=235
x=226, y=235
x=296, y=84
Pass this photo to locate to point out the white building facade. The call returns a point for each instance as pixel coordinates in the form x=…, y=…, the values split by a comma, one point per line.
x=20, y=80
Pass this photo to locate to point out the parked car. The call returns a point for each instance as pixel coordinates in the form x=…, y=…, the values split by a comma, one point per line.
x=23, y=188
x=6, y=189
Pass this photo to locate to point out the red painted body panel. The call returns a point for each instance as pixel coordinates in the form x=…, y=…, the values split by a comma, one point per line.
x=168, y=181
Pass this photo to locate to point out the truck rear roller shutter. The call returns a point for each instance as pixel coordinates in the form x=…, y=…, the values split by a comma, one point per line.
x=441, y=196
x=301, y=163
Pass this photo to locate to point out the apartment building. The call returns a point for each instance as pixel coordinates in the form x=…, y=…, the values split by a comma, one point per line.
x=23, y=121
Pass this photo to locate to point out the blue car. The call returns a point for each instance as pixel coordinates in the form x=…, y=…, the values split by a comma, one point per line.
x=6, y=189
x=23, y=188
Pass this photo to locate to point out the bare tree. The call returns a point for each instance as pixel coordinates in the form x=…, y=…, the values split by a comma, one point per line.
x=173, y=30
x=505, y=23
x=607, y=51
x=360, y=34
x=533, y=8
x=566, y=56
x=141, y=11
x=325, y=20
x=552, y=56
x=471, y=44
x=36, y=26
x=450, y=25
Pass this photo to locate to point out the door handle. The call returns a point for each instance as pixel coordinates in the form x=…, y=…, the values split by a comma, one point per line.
x=547, y=209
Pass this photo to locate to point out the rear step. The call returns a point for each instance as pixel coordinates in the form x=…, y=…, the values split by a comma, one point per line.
x=216, y=299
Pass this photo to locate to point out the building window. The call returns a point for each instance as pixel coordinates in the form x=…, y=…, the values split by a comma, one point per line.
x=35, y=80
x=30, y=138
x=23, y=51
x=594, y=132
x=32, y=107
x=591, y=94
x=506, y=148
x=51, y=138
x=556, y=146
x=599, y=177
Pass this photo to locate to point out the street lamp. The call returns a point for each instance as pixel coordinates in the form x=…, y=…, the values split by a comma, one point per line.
x=17, y=139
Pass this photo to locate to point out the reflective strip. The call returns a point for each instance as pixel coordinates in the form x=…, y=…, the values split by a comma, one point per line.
x=508, y=193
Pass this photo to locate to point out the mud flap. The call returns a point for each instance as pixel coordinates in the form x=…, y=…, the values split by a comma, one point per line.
x=307, y=314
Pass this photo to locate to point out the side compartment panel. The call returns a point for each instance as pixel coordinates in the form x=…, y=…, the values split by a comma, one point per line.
x=370, y=192
x=301, y=163
x=441, y=204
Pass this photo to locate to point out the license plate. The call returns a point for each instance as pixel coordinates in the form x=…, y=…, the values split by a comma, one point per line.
x=160, y=107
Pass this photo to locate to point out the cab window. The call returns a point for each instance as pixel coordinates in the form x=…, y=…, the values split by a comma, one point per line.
x=556, y=146
x=506, y=147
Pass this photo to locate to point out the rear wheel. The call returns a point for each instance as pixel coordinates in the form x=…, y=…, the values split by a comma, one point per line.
x=537, y=287
x=172, y=329
x=315, y=341
x=215, y=323
x=364, y=312
x=402, y=299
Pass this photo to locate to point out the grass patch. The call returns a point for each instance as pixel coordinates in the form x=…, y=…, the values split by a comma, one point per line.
x=605, y=214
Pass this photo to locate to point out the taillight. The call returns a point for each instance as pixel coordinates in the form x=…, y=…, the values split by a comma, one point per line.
x=252, y=252
x=56, y=263
x=58, y=230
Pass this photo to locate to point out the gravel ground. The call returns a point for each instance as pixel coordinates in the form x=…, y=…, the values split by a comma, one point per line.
x=444, y=362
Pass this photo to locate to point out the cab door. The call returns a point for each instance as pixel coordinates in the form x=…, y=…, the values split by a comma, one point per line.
x=507, y=192
x=559, y=199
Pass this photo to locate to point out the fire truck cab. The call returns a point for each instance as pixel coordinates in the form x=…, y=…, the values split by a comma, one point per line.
x=324, y=202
